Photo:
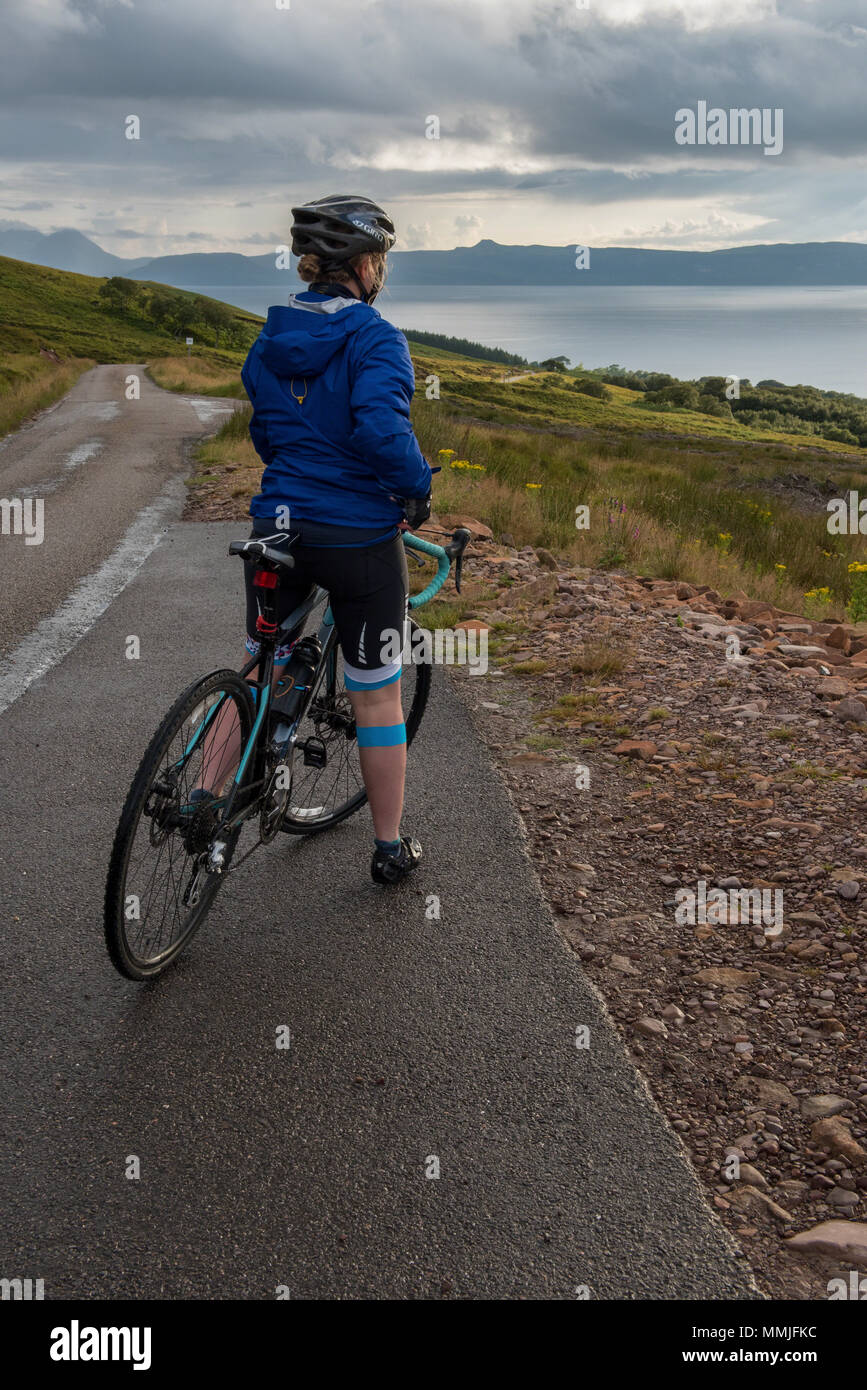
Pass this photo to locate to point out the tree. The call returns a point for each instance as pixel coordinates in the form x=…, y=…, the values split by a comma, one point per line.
x=118, y=292
x=217, y=316
x=588, y=386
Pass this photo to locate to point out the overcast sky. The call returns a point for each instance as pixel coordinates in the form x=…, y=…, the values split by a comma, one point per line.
x=556, y=122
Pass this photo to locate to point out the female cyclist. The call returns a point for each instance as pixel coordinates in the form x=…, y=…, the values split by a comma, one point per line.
x=330, y=382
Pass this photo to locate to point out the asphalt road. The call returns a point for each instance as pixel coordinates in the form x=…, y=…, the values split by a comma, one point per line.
x=95, y=459
x=412, y=1039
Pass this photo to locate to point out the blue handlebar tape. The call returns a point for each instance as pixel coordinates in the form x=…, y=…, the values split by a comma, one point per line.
x=444, y=564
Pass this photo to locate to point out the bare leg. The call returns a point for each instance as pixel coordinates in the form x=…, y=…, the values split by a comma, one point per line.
x=383, y=769
x=222, y=744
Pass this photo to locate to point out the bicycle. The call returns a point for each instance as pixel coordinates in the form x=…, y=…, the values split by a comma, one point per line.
x=297, y=772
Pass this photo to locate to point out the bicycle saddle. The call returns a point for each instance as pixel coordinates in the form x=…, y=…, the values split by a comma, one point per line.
x=257, y=552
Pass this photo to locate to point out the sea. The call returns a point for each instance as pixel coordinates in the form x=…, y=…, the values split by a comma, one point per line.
x=810, y=335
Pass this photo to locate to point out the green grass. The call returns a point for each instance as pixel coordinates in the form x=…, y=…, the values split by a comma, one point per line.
x=550, y=398
x=439, y=613
x=543, y=743
x=566, y=707
x=29, y=382
x=808, y=769
x=48, y=314
x=529, y=668
x=599, y=657
x=706, y=508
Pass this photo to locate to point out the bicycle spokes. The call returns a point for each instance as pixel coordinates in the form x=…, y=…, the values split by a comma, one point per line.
x=173, y=843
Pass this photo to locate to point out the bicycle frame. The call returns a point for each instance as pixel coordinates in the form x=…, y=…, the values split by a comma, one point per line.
x=262, y=687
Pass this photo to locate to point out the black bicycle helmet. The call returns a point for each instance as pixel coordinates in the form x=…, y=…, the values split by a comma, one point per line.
x=339, y=228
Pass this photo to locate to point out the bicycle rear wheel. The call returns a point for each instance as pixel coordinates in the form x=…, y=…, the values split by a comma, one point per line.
x=324, y=795
x=159, y=890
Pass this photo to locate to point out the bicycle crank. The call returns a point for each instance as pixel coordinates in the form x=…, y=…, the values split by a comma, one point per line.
x=275, y=803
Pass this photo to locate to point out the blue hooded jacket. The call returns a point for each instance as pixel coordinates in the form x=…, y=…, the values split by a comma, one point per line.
x=335, y=456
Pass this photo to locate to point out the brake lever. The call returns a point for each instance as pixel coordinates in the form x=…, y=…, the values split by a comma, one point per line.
x=455, y=551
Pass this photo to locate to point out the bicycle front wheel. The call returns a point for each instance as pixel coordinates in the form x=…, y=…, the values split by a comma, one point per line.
x=159, y=888
x=327, y=791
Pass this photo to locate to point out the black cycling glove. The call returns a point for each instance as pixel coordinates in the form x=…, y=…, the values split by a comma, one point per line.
x=417, y=510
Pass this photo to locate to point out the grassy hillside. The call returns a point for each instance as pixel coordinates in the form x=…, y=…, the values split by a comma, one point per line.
x=53, y=325
x=680, y=495
x=552, y=398
x=673, y=492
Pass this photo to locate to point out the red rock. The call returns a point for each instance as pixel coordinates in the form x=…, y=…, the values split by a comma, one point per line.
x=850, y=708
x=838, y=637
x=814, y=951
x=537, y=590
x=832, y=685
x=636, y=748
x=833, y=1134
x=843, y=1240
x=780, y=823
x=477, y=529
x=755, y=608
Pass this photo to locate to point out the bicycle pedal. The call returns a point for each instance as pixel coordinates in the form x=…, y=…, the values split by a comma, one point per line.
x=314, y=753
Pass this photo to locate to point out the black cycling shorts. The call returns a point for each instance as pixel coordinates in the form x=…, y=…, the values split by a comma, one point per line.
x=368, y=586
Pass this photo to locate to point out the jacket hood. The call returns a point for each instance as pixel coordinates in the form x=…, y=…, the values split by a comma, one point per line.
x=300, y=339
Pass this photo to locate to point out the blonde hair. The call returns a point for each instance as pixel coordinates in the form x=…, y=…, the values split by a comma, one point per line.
x=312, y=268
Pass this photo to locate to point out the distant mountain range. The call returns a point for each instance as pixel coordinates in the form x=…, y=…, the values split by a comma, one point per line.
x=486, y=263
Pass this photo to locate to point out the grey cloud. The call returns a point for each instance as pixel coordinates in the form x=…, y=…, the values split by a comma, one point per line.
x=241, y=105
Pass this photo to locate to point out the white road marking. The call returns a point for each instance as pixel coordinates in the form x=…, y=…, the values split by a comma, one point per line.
x=55, y=636
x=82, y=452
x=71, y=411
x=74, y=459
x=210, y=410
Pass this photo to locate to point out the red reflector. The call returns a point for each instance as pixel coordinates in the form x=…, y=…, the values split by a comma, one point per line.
x=265, y=579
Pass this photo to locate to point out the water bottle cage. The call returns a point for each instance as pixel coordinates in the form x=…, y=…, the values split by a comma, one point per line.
x=286, y=701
